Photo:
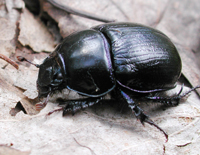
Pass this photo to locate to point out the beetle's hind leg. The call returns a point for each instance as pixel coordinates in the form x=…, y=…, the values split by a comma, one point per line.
x=75, y=105
x=139, y=112
x=172, y=100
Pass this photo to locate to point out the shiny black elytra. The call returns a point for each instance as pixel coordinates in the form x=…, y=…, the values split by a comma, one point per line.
x=132, y=60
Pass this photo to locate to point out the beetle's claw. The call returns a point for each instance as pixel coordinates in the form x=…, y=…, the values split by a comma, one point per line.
x=56, y=110
x=65, y=111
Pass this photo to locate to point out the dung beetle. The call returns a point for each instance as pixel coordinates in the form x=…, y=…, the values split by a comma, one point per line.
x=132, y=60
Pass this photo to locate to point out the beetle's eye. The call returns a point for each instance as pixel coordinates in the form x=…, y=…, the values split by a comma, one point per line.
x=57, y=79
x=59, y=76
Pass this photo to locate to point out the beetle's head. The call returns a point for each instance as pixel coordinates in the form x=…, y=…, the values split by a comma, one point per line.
x=50, y=76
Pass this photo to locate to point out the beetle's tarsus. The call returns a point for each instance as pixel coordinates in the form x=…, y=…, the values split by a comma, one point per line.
x=67, y=110
x=56, y=110
x=145, y=118
x=139, y=112
x=149, y=121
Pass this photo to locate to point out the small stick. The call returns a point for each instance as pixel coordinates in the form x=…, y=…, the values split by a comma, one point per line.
x=13, y=63
x=84, y=146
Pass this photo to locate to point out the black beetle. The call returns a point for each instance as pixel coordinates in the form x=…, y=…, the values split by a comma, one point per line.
x=132, y=60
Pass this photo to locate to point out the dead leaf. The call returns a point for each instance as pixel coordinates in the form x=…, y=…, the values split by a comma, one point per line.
x=33, y=33
x=101, y=8
x=101, y=128
x=190, y=68
x=181, y=23
x=9, y=17
x=7, y=31
x=7, y=150
x=27, y=81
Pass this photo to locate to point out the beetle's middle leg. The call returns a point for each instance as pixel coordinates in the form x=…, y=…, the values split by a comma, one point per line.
x=139, y=112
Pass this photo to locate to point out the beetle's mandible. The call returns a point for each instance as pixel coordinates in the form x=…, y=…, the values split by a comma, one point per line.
x=132, y=60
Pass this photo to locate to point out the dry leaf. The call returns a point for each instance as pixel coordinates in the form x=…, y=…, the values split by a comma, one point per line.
x=7, y=31
x=7, y=150
x=9, y=16
x=33, y=33
x=101, y=129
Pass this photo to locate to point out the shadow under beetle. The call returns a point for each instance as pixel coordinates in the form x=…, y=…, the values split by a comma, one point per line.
x=132, y=60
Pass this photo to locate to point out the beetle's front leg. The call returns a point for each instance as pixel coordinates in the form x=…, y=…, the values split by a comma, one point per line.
x=139, y=112
x=75, y=105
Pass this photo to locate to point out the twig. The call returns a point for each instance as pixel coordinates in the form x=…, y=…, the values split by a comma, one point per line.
x=84, y=146
x=13, y=63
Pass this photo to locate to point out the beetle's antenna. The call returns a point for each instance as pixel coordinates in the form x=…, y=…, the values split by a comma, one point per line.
x=20, y=58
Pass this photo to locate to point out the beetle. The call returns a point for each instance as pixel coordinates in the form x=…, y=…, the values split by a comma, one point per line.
x=132, y=60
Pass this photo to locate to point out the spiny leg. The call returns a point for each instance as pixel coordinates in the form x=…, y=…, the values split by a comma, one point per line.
x=139, y=112
x=173, y=100
x=75, y=105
